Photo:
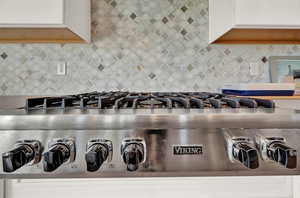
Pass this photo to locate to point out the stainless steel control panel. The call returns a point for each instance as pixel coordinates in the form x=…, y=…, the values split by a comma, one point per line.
x=151, y=152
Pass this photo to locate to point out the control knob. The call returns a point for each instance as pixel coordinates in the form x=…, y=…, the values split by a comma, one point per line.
x=246, y=154
x=133, y=153
x=275, y=149
x=60, y=151
x=282, y=154
x=98, y=151
x=25, y=152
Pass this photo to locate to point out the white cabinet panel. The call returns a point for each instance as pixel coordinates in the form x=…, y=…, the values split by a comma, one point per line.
x=2, y=190
x=45, y=21
x=218, y=187
x=254, y=21
x=221, y=14
x=268, y=12
x=31, y=11
x=296, y=186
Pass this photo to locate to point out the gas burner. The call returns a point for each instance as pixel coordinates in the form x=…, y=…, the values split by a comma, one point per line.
x=152, y=100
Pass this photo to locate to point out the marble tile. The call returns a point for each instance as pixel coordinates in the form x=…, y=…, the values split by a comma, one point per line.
x=138, y=45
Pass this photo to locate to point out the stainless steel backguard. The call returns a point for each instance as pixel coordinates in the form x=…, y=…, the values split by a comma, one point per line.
x=162, y=159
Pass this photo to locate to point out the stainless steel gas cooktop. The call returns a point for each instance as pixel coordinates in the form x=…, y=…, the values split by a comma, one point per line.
x=123, y=134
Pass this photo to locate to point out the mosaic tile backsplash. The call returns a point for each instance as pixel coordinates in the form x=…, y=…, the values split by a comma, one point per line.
x=138, y=45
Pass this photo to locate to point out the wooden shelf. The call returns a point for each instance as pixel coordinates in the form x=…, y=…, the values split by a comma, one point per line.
x=275, y=97
x=260, y=36
x=38, y=35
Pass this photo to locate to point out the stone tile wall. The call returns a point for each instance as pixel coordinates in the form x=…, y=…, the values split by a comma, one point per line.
x=138, y=45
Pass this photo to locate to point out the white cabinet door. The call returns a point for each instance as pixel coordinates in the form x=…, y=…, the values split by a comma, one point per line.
x=268, y=12
x=296, y=186
x=209, y=187
x=31, y=11
x=2, y=190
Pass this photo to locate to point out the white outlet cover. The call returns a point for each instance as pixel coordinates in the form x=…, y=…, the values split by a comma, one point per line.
x=61, y=68
x=254, y=69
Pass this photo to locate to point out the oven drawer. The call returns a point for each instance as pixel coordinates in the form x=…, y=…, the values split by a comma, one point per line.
x=207, y=187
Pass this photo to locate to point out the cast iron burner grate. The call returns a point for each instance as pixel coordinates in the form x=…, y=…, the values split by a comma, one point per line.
x=152, y=100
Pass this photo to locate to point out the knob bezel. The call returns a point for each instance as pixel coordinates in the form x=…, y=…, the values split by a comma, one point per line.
x=68, y=142
x=139, y=141
x=104, y=142
x=264, y=144
x=36, y=147
x=232, y=142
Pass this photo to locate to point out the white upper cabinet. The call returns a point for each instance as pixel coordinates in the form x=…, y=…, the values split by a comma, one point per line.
x=47, y=21
x=254, y=21
x=268, y=12
x=31, y=11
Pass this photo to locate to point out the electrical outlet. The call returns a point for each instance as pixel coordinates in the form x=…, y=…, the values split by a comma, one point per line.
x=61, y=68
x=254, y=69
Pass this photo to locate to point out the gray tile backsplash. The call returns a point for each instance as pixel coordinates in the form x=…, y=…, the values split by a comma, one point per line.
x=138, y=45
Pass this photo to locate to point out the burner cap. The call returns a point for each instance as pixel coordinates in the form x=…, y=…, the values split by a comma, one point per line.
x=151, y=102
